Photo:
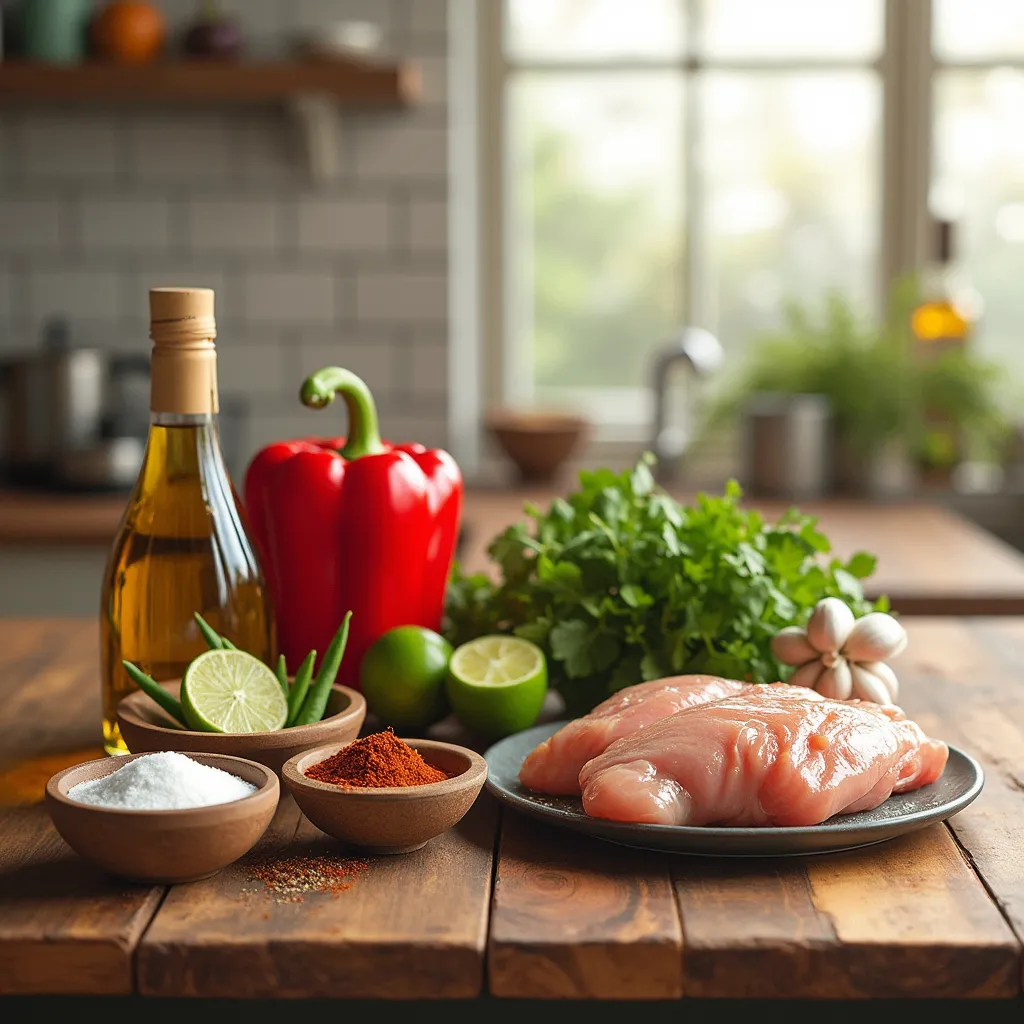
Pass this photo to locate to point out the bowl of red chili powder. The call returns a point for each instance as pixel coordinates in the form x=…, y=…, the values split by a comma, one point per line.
x=385, y=794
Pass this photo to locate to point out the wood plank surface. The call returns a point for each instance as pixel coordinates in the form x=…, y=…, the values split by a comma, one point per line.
x=965, y=682
x=410, y=927
x=577, y=918
x=905, y=918
x=64, y=926
x=931, y=561
x=571, y=917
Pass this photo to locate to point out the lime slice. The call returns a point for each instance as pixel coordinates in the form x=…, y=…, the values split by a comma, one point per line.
x=231, y=691
x=496, y=684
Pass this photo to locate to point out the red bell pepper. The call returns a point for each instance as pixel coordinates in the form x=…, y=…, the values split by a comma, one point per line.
x=352, y=523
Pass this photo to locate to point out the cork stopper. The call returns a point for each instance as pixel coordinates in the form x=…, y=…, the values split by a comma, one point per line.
x=183, y=327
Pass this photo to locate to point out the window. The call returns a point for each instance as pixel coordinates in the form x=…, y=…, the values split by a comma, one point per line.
x=673, y=162
x=978, y=157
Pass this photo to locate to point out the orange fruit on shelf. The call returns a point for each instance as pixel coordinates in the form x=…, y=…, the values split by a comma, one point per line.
x=129, y=32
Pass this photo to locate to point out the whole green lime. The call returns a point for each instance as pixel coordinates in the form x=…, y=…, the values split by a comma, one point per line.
x=403, y=677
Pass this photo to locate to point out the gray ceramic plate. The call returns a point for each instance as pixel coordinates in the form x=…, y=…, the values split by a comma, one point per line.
x=960, y=783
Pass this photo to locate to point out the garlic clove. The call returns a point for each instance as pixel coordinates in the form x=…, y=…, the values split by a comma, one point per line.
x=791, y=647
x=836, y=682
x=879, y=670
x=875, y=637
x=829, y=625
x=807, y=675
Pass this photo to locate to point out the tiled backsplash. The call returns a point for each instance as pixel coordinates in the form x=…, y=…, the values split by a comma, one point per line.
x=97, y=205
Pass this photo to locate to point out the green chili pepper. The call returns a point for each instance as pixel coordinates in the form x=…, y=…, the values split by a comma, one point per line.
x=282, y=674
x=315, y=704
x=210, y=635
x=227, y=644
x=153, y=689
x=299, y=688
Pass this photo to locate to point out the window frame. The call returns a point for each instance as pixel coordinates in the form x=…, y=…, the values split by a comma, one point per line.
x=906, y=68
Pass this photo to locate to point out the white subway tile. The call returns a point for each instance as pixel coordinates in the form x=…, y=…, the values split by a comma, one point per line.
x=289, y=296
x=429, y=366
x=267, y=426
x=185, y=274
x=373, y=359
x=180, y=147
x=314, y=14
x=258, y=18
x=265, y=147
x=74, y=293
x=428, y=17
x=343, y=225
x=124, y=225
x=6, y=313
x=29, y=225
x=401, y=297
x=74, y=146
x=405, y=428
x=428, y=226
x=434, y=78
x=256, y=368
x=393, y=149
x=235, y=225
x=10, y=146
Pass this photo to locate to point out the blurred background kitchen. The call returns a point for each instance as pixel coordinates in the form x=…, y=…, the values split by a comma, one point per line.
x=775, y=239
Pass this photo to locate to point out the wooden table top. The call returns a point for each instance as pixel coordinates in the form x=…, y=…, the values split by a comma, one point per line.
x=932, y=561
x=519, y=909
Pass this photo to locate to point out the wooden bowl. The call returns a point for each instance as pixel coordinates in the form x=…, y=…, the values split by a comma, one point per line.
x=146, y=727
x=163, y=847
x=538, y=443
x=393, y=819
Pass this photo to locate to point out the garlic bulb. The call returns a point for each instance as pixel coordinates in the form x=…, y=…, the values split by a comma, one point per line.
x=829, y=625
x=836, y=682
x=791, y=647
x=807, y=674
x=875, y=637
x=843, y=657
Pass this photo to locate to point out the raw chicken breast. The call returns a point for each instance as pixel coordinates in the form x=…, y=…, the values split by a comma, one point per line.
x=554, y=767
x=758, y=759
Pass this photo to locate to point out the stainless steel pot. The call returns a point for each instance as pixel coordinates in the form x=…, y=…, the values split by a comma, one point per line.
x=59, y=401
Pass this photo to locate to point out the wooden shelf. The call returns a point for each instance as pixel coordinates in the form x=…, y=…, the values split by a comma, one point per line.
x=345, y=82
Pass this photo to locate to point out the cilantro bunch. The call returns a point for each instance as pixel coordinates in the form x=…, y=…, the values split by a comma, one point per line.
x=619, y=583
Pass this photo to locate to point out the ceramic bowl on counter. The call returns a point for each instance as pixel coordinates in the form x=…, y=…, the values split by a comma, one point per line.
x=146, y=727
x=163, y=847
x=396, y=819
x=537, y=443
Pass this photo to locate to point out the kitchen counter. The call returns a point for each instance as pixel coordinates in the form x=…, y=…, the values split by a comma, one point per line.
x=514, y=908
x=932, y=561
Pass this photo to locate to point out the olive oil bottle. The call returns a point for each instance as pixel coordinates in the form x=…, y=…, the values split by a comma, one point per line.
x=181, y=546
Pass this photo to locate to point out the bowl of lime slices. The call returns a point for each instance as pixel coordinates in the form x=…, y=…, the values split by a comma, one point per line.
x=147, y=727
x=230, y=702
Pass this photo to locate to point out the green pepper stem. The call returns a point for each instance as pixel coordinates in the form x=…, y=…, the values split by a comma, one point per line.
x=318, y=391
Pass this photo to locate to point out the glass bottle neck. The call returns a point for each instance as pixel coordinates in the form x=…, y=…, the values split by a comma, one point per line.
x=178, y=419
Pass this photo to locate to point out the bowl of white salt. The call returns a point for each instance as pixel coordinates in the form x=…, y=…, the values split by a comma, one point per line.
x=164, y=817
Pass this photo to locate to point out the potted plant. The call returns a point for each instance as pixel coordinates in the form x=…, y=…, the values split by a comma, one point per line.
x=884, y=397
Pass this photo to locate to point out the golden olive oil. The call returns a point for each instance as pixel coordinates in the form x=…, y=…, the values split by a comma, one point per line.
x=181, y=547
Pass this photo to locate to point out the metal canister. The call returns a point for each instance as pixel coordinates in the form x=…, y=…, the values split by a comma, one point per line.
x=786, y=446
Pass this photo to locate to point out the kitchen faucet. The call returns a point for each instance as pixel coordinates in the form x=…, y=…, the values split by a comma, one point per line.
x=702, y=353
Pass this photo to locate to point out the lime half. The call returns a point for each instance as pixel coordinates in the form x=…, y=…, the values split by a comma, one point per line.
x=496, y=684
x=231, y=691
